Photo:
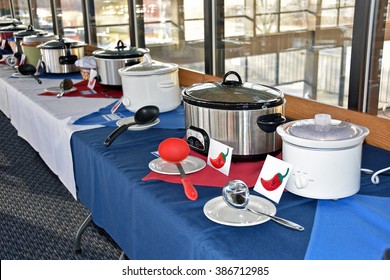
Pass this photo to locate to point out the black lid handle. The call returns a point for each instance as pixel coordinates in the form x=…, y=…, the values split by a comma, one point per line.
x=234, y=83
x=120, y=45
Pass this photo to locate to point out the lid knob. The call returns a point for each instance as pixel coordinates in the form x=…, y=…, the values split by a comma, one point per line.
x=322, y=122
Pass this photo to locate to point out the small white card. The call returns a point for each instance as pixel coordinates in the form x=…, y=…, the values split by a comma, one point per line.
x=273, y=178
x=3, y=44
x=92, y=80
x=113, y=117
x=220, y=156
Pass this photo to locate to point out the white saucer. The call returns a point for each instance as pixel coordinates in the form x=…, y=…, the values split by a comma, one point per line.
x=190, y=165
x=20, y=75
x=219, y=212
x=58, y=90
x=136, y=126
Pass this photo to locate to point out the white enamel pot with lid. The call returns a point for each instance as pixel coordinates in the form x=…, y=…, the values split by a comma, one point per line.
x=326, y=156
x=150, y=83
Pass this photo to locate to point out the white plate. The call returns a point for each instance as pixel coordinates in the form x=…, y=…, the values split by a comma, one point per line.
x=219, y=212
x=136, y=126
x=190, y=165
x=58, y=90
x=20, y=75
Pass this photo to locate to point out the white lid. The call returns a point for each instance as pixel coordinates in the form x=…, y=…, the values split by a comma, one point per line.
x=148, y=67
x=322, y=132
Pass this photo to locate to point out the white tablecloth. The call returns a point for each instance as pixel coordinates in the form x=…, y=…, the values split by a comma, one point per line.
x=46, y=121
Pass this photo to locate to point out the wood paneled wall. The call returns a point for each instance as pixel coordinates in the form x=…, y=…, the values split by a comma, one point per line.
x=299, y=108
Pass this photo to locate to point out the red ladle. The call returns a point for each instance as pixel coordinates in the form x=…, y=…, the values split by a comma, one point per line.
x=176, y=150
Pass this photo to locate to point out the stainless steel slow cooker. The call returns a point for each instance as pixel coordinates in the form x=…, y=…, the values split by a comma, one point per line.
x=109, y=61
x=326, y=156
x=241, y=115
x=59, y=56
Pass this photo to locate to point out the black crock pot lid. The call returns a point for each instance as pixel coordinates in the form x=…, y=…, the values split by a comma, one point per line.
x=15, y=26
x=233, y=95
x=61, y=44
x=29, y=31
x=120, y=51
x=8, y=21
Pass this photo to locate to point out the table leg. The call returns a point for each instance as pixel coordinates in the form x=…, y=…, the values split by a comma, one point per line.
x=80, y=232
x=123, y=256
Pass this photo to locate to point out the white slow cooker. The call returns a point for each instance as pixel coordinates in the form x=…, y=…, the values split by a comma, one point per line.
x=326, y=156
x=151, y=83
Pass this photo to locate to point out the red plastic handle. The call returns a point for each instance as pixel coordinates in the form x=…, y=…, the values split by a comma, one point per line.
x=189, y=189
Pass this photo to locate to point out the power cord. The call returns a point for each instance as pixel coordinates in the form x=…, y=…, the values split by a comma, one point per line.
x=375, y=174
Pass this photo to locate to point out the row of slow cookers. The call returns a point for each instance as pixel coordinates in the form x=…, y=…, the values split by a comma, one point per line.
x=249, y=117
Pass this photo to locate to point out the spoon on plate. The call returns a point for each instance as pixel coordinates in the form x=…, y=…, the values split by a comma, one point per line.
x=175, y=150
x=66, y=84
x=29, y=69
x=144, y=115
x=236, y=194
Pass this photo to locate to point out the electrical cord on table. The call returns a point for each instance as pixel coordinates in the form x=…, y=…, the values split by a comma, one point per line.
x=375, y=174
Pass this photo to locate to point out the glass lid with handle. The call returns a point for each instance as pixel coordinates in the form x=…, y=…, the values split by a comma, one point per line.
x=233, y=94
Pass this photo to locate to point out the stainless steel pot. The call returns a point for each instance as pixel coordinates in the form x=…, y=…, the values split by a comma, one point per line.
x=241, y=115
x=59, y=56
x=109, y=61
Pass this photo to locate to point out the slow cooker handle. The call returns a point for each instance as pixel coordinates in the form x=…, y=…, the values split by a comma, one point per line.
x=68, y=58
x=120, y=45
x=269, y=123
x=232, y=82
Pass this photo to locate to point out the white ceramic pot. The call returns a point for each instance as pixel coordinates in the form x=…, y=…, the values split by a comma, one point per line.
x=326, y=156
x=150, y=83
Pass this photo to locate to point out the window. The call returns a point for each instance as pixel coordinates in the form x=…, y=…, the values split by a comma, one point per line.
x=42, y=17
x=311, y=49
x=22, y=11
x=112, y=22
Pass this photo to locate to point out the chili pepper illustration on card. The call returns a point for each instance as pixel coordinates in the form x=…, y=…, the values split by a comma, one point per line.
x=220, y=156
x=273, y=178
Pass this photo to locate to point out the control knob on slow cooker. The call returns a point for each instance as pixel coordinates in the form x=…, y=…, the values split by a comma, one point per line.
x=301, y=181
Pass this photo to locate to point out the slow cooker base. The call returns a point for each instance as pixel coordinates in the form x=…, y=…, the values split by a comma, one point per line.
x=243, y=158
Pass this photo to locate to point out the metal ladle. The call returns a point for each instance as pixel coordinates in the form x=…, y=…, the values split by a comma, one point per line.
x=236, y=194
x=144, y=115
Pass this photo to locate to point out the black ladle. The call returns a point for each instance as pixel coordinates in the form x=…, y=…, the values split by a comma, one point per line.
x=144, y=115
x=28, y=69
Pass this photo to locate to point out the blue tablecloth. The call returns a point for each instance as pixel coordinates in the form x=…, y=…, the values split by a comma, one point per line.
x=357, y=227
x=154, y=220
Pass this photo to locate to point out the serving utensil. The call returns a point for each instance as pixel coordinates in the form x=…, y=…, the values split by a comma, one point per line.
x=66, y=84
x=236, y=194
x=144, y=115
x=29, y=69
x=176, y=150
